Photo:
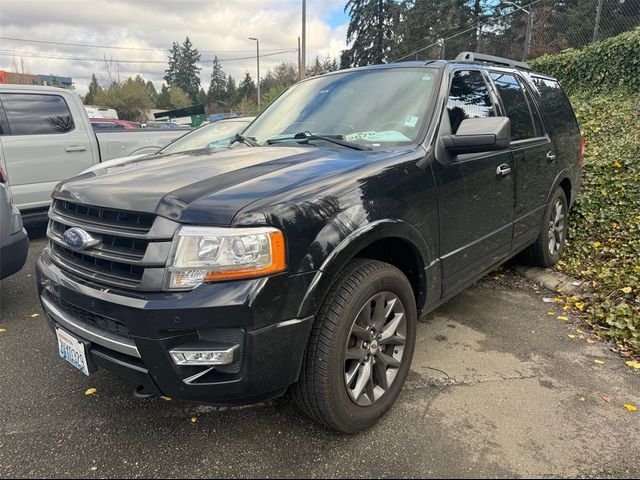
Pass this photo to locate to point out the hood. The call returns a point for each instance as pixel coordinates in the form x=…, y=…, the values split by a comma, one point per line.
x=114, y=162
x=209, y=188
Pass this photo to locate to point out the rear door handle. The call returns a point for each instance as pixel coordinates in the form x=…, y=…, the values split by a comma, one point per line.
x=503, y=170
x=551, y=156
x=75, y=148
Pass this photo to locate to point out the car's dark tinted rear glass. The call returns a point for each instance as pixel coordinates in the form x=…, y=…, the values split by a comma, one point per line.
x=515, y=104
x=33, y=114
x=468, y=98
x=557, y=110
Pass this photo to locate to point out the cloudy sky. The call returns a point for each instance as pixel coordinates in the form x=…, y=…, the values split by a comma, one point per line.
x=144, y=29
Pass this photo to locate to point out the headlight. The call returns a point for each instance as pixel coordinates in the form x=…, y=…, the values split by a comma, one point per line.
x=209, y=254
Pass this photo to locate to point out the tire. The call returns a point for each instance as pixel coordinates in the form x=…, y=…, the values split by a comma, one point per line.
x=545, y=251
x=338, y=351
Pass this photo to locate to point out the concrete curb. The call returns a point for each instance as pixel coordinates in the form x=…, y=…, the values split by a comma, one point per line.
x=556, y=281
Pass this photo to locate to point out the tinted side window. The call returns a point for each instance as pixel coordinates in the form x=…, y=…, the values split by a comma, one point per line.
x=556, y=108
x=515, y=104
x=468, y=98
x=32, y=114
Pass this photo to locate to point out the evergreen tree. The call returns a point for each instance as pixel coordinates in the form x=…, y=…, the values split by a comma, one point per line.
x=164, y=99
x=247, y=88
x=231, y=92
x=217, y=86
x=371, y=29
x=94, y=88
x=183, y=70
x=188, y=78
x=315, y=68
x=151, y=90
x=174, y=60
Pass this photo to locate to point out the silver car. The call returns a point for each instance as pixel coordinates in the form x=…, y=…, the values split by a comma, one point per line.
x=14, y=242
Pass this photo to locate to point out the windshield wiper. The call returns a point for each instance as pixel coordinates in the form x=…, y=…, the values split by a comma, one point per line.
x=306, y=136
x=246, y=140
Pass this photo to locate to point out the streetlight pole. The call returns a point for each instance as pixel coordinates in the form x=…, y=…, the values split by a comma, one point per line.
x=303, y=54
x=527, y=38
x=258, y=66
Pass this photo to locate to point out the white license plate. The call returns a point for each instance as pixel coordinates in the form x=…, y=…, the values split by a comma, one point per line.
x=72, y=351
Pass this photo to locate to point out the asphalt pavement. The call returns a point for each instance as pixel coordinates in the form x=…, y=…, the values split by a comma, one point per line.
x=498, y=388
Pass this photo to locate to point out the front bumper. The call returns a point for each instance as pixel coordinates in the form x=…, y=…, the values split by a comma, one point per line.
x=131, y=334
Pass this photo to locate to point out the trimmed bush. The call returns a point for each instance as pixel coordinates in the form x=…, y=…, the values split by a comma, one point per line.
x=600, y=67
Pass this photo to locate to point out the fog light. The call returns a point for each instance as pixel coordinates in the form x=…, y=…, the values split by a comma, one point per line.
x=185, y=356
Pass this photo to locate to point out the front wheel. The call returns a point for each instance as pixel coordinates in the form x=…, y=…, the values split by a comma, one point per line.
x=548, y=247
x=360, y=348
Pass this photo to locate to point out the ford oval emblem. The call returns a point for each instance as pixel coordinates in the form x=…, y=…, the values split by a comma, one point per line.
x=78, y=239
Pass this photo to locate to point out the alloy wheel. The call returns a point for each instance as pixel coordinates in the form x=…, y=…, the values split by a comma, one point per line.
x=375, y=348
x=556, y=227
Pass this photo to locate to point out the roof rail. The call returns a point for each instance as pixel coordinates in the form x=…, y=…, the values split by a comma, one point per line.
x=480, y=57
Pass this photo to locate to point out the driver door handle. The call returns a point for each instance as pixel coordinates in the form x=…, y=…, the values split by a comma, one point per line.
x=503, y=170
x=75, y=148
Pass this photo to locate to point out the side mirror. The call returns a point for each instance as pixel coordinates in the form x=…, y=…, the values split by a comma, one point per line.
x=479, y=135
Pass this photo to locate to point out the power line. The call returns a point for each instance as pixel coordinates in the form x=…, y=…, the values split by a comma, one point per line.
x=113, y=47
x=12, y=53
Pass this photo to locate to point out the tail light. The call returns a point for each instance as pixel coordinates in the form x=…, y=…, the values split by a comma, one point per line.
x=3, y=176
x=581, y=157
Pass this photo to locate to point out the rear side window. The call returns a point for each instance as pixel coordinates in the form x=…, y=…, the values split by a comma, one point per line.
x=33, y=114
x=557, y=110
x=515, y=105
x=468, y=98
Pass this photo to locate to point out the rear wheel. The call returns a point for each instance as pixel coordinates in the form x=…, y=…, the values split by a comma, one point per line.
x=549, y=245
x=360, y=348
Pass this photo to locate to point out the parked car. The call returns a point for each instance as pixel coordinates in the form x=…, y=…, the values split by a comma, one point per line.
x=209, y=137
x=359, y=201
x=162, y=125
x=46, y=136
x=100, y=123
x=14, y=242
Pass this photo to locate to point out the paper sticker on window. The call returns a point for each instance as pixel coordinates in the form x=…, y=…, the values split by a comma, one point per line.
x=411, y=121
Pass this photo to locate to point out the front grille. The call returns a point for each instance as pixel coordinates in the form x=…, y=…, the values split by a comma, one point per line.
x=139, y=222
x=106, y=324
x=131, y=245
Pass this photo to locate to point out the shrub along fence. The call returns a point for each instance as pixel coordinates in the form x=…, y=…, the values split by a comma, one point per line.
x=603, y=81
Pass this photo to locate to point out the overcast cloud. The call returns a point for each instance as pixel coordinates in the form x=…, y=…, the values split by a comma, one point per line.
x=214, y=26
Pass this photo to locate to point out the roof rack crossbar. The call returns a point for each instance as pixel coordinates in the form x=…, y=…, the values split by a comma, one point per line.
x=480, y=57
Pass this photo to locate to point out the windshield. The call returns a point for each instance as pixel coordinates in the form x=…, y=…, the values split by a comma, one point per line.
x=213, y=135
x=372, y=107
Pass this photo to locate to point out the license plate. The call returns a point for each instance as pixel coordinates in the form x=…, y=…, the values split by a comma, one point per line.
x=72, y=351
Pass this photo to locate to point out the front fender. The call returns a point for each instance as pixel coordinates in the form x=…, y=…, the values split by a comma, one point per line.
x=341, y=246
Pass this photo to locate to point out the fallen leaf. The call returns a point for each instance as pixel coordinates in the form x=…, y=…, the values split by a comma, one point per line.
x=630, y=407
x=2, y=330
x=582, y=399
x=35, y=315
x=626, y=290
x=599, y=362
x=571, y=336
x=563, y=318
x=566, y=307
x=633, y=364
x=626, y=353
x=557, y=299
x=166, y=399
x=91, y=391
x=607, y=398
x=579, y=331
x=590, y=341
x=194, y=420
x=597, y=244
x=551, y=314
x=580, y=306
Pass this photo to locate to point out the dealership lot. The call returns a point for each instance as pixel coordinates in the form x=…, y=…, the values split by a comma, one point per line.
x=497, y=388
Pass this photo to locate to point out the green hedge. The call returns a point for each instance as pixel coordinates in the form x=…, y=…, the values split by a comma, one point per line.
x=600, y=67
x=604, y=236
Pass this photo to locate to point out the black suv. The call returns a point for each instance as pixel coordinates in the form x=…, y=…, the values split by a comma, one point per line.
x=303, y=256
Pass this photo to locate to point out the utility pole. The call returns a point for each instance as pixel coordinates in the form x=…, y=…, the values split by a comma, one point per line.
x=258, y=65
x=596, y=30
x=303, y=52
x=299, y=67
x=527, y=37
